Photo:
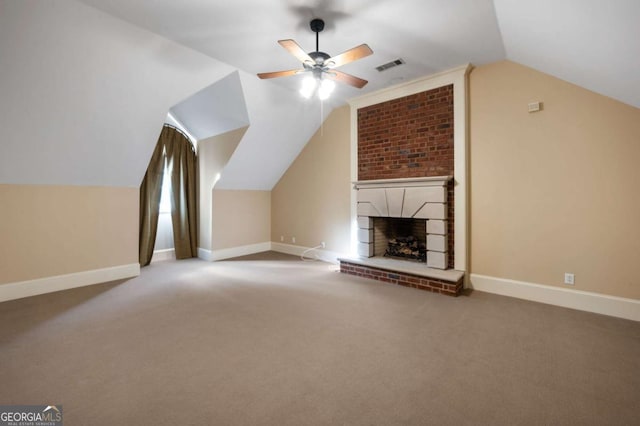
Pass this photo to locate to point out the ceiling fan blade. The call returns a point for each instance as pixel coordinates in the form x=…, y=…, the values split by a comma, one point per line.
x=346, y=78
x=295, y=49
x=275, y=74
x=350, y=55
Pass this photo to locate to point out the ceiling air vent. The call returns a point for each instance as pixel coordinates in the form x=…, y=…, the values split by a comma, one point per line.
x=391, y=64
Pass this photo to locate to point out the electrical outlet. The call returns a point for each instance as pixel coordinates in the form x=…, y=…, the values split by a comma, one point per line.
x=569, y=279
x=293, y=240
x=322, y=244
x=281, y=238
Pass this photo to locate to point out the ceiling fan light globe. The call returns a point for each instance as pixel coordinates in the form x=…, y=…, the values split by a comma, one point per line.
x=309, y=85
x=325, y=89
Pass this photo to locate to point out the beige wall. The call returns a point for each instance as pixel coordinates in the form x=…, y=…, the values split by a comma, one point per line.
x=240, y=218
x=56, y=230
x=312, y=199
x=554, y=191
x=213, y=155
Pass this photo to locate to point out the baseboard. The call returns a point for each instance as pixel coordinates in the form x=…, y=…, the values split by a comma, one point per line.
x=228, y=253
x=166, y=254
x=205, y=254
x=21, y=289
x=320, y=254
x=575, y=299
x=317, y=253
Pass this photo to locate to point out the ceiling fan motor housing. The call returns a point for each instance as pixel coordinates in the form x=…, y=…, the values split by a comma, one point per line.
x=319, y=57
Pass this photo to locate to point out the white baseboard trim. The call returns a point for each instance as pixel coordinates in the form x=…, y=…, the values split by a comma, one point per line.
x=320, y=254
x=239, y=251
x=205, y=254
x=21, y=289
x=575, y=299
x=166, y=254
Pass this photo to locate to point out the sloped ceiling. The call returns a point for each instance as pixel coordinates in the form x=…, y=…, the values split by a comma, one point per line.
x=430, y=35
x=84, y=93
x=218, y=108
x=279, y=128
x=592, y=43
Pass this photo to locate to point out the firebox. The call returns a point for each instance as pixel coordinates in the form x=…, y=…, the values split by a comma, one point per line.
x=404, y=238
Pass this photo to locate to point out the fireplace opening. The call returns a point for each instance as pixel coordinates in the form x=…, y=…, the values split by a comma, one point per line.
x=402, y=238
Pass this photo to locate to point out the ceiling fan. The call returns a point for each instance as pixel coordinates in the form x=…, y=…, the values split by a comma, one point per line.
x=321, y=65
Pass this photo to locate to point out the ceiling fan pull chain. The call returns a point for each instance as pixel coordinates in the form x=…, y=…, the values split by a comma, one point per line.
x=321, y=118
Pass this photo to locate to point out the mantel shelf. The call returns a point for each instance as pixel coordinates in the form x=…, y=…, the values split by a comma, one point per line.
x=403, y=182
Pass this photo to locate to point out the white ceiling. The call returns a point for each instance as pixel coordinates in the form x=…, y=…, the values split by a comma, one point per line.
x=204, y=114
x=592, y=43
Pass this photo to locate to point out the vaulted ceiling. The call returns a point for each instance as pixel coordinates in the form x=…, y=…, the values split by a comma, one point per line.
x=86, y=87
x=592, y=43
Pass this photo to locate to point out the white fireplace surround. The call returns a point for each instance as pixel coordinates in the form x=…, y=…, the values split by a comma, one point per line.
x=417, y=198
x=458, y=77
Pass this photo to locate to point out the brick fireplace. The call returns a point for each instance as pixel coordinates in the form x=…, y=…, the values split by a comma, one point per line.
x=409, y=145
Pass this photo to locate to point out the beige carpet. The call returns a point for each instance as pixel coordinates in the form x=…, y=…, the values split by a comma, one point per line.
x=269, y=339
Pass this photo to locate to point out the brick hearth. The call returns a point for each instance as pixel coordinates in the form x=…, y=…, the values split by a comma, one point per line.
x=451, y=286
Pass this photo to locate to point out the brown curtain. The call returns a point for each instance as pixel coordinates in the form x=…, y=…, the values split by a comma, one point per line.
x=181, y=155
x=150, y=205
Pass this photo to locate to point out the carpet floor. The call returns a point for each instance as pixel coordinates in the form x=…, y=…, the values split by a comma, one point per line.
x=271, y=340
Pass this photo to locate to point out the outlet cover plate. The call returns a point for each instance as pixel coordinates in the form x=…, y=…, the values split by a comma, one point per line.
x=569, y=279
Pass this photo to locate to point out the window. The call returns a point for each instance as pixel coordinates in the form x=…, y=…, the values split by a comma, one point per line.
x=165, y=195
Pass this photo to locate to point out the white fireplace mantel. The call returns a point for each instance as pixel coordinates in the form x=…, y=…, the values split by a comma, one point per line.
x=403, y=182
x=423, y=198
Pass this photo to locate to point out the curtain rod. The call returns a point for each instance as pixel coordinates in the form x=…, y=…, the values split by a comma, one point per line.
x=192, y=142
x=178, y=129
